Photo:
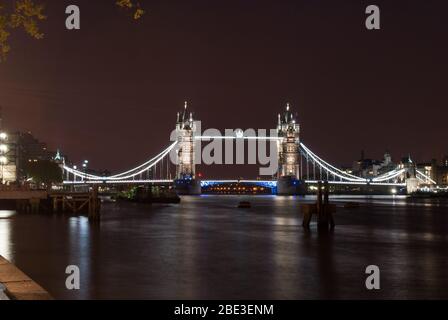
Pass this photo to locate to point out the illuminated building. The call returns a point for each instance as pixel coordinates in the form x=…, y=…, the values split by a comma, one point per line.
x=186, y=182
x=288, y=146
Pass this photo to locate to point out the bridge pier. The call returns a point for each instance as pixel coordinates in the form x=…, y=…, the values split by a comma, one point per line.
x=188, y=187
x=290, y=186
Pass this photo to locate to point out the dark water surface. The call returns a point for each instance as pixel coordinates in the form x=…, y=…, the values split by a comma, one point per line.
x=206, y=248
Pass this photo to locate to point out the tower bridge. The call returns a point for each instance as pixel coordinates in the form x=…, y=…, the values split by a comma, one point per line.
x=298, y=166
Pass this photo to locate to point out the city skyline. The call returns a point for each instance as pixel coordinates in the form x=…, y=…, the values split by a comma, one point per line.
x=44, y=152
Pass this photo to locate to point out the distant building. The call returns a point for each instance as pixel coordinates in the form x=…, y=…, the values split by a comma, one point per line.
x=426, y=168
x=369, y=168
x=437, y=171
x=30, y=148
x=445, y=161
x=26, y=148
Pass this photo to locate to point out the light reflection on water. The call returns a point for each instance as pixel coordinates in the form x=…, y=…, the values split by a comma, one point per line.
x=5, y=241
x=80, y=249
x=208, y=248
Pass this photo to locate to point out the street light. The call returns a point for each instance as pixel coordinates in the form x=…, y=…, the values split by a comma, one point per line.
x=3, y=148
x=3, y=136
x=84, y=166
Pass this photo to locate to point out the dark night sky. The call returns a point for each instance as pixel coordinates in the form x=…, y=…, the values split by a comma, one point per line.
x=110, y=92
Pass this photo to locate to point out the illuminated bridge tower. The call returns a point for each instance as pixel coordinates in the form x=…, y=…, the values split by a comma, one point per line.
x=186, y=182
x=288, y=146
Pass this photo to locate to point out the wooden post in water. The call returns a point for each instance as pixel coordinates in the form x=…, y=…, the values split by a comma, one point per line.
x=64, y=205
x=34, y=205
x=21, y=206
x=326, y=216
x=329, y=208
x=322, y=208
x=319, y=203
x=94, y=205
x=55, y=204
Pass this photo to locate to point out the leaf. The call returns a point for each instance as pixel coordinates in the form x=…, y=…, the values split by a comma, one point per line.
x=131, y=4
x=125, y=3
x=139, y=13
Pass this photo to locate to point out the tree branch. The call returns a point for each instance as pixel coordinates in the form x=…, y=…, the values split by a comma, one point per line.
x=26, y=15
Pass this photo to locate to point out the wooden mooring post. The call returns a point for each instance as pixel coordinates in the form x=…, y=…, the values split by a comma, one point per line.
x=322, y=208
x=94, y=205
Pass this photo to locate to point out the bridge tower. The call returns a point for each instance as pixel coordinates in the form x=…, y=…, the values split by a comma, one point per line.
x=410, y=175
x=186, y=182
x=288, y=147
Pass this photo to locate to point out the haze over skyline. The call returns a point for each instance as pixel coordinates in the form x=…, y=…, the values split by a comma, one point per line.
x=110, y=92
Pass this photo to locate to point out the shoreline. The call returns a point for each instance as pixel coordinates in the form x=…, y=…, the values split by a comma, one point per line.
x=18, y=286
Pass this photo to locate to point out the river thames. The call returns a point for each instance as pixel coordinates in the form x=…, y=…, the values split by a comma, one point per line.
x=207, y=248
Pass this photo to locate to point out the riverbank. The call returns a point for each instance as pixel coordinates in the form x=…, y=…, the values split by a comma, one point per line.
x=18, y=285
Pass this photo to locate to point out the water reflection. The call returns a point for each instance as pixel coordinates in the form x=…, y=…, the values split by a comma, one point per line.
x=208, y=248
x=5, y=234
x=80, y=252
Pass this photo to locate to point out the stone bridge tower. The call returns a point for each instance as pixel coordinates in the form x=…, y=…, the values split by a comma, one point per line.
x=186, y=182
x=288, y=147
